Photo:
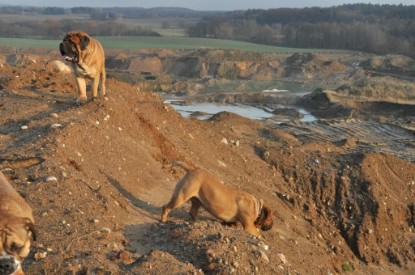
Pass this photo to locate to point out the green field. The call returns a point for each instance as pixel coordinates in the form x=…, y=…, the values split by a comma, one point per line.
x=131, y=43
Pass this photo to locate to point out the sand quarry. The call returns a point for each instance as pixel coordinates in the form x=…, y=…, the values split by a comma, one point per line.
x=342, y=188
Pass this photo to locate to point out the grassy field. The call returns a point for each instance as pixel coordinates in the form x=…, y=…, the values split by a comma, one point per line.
x=173, y=37
x=184, y=43
x=131, y=43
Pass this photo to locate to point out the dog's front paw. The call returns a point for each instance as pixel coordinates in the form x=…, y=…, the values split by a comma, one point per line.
x=81, y=100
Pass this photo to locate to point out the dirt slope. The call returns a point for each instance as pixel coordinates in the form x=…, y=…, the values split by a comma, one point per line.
x=96, y=176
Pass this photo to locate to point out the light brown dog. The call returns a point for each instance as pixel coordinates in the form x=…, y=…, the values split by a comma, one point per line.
x=16, y=228
x=88, y=61
x=227, y=204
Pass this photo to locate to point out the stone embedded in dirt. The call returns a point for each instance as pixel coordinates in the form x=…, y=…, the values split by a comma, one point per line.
x=210, y=255
x=126, y=257
x=221, y=163
x=261, y=254
x=264, y=256
x=40, y=255
x=105, y=230
x=50, y=178
x=56, y=125
x=282, y=258
x=59, y=67
x=235, y=142
x=263, y=245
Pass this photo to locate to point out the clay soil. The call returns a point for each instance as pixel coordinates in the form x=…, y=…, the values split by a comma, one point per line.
x=96, y=176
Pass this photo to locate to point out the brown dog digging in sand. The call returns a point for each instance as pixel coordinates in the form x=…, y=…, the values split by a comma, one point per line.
x=88, y=61
x=16, y=229
x=227, y=204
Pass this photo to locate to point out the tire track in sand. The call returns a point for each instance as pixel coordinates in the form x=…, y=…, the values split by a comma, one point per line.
x=370, y=136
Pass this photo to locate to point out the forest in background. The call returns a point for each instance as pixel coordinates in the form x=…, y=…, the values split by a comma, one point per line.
x=381, y=29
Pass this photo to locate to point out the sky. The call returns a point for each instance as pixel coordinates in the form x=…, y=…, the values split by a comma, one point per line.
x=200, y=4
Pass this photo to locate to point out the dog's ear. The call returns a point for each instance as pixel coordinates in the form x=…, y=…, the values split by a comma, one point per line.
x=265, y=221
x=61, y=49
x=30, y=227
x=83, y=41
x=66, y=38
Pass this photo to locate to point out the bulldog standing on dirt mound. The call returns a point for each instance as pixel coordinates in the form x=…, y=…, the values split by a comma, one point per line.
x=16, y=228
x=227, y=204
x=88, y=61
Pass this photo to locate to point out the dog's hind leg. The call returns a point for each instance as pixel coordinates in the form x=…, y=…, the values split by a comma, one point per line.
x=183, y=192
x=95, y=85
x=103, y=80
x=196, y=204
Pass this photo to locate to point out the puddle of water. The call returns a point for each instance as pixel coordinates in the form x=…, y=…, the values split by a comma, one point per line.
x=213, y=108
x=307, y=117
x=275, y=91
x=210, y=109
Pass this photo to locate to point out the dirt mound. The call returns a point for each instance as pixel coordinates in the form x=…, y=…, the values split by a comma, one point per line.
x=320, y=105
x=380, y=90
x=355, y=196
x=310, y=66
x=221, y=65
x=370, y=97
x=96, y=176
x=301, y=59
x=389, y=62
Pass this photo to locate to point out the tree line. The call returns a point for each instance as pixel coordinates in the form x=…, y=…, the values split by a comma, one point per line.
x=53, y=28
x=101, y=21
x=365, y=27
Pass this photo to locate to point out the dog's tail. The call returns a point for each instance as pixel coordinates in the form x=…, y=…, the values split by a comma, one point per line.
x=185, y=166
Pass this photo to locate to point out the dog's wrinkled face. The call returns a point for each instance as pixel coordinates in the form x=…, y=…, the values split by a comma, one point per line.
x=265, y=221
x=15, y=237
x=72, y=45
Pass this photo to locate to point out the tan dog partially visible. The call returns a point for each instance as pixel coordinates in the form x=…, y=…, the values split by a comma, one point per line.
x=227, y=204
x=16, y=228
x=88, y=61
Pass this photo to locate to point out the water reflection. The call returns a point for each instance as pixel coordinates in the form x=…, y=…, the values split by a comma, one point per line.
x=307, y=117
x=205, y=110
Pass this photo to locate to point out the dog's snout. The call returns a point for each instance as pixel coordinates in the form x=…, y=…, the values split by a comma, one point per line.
x=268, y=226
x=8, y=266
